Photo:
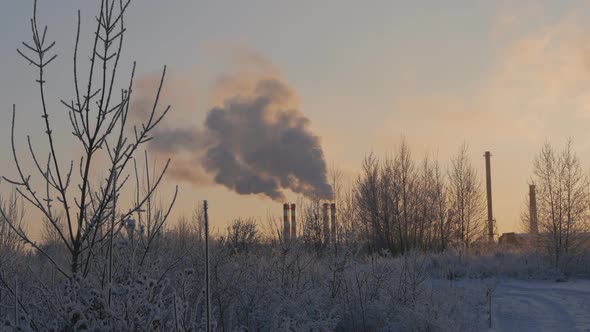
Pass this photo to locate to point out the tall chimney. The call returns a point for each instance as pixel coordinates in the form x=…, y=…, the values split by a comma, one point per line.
x=293, y=223
x=326, y=224
x=489, y=192
x=286, y=227
x=333, y=220
x=533, y=224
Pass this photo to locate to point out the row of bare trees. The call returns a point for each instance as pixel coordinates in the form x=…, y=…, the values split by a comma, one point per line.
x=401, y=205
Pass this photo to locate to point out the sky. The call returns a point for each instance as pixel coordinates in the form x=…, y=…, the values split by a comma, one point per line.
x=502, y=76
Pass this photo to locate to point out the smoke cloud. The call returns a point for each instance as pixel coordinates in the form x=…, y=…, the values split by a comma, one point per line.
x=173, y=138
x=263, y=145
x=255, y=140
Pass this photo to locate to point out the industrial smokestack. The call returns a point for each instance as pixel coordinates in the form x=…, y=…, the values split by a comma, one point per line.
x=489, y=194
x=293, y=223
x=533, y=224
x=333, y=221
x=286, y=228
x=326, y=224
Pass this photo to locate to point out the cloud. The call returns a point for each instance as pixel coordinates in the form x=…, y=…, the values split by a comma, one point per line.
x=536, y=88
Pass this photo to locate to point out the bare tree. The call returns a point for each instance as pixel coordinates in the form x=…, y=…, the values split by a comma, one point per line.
x=402, y=206
x=14, y=214
x=242, y=234
x=466, y=198
x=98, y=113
x=404, y=187
x=425, y=204
x=312, y=223
x=431, y=227
x=366, y=197
x=440, y=203
x=350, y=228
x=336, y=178
x=562, y=202
x=10, y=243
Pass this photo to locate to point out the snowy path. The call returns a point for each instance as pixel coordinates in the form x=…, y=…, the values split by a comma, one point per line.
x=542, y=306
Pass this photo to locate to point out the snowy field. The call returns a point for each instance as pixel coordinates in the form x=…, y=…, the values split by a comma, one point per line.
x=542, y=306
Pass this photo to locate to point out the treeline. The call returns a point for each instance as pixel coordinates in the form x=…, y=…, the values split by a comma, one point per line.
x=399, y=204
x=402, y=204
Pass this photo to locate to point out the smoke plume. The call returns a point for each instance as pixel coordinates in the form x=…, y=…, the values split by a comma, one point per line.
x=254, y=141
x=262, y=145
x=173, y=138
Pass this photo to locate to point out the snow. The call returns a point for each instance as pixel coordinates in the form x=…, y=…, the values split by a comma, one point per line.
x=542, y=306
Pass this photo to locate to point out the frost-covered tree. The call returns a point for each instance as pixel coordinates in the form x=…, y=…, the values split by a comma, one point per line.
x=466, y=199
x=83, y=212
x=401, y=205
x=90, y=206
x=562, y=202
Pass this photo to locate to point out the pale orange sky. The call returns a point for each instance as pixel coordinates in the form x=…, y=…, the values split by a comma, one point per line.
x=500, y=76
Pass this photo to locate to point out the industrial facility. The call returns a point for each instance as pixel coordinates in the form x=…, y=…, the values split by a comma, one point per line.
x=290, y=230
x=510, y=238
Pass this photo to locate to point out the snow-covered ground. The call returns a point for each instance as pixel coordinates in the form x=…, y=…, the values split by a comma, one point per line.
x=542, y=306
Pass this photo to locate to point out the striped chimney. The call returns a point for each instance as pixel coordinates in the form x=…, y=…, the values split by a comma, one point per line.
x=333, y=220
x=293, y=223
x=326, y=224
x=286, y=228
